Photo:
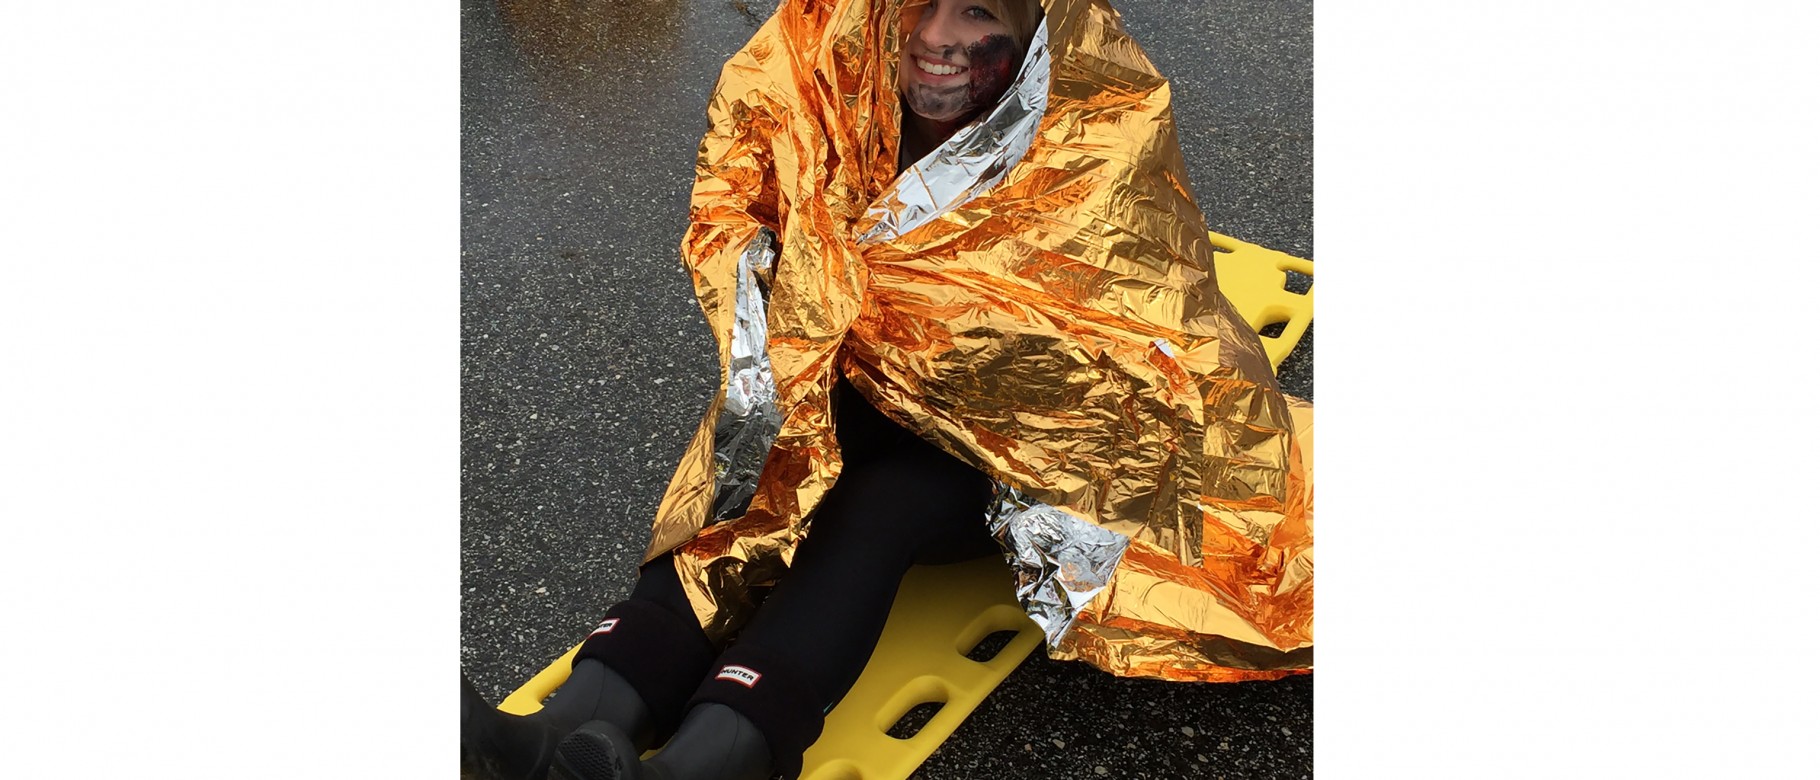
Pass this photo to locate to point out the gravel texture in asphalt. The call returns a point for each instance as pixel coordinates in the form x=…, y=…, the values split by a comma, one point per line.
x=586, y=363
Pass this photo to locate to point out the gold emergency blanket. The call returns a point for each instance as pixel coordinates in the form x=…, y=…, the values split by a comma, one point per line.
x=1037, y=298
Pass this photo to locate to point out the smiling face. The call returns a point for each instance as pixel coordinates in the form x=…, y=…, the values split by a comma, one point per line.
x=959, y=57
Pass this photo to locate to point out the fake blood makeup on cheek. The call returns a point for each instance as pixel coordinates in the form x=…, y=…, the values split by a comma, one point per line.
x=952, y=99
x=990, y=65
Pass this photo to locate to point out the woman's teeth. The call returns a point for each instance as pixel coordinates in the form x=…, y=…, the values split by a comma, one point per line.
x=939, y=70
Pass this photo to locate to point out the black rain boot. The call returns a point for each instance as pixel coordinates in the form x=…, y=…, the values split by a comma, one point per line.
x=715, y=742
x=499, y=746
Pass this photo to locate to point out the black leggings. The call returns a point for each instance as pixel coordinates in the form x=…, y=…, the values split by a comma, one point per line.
x=899, y=501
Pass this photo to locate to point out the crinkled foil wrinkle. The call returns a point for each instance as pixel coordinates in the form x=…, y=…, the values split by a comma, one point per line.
x=1060, y=562
x=749, y=419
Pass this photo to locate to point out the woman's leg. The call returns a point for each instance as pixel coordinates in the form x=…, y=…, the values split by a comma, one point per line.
x=898, y=500
x=635, y=671
x=828, y=612
x=652, y=641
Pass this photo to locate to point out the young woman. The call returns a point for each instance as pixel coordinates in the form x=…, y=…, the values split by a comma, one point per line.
x=993, y=317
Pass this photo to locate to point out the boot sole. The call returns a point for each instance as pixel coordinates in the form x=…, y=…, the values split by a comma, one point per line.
x=596, y=751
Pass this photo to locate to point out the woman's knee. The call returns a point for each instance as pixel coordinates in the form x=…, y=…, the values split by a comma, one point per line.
x=902, y=502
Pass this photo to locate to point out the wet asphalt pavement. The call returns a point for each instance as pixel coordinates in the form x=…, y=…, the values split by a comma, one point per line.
x=586, y=363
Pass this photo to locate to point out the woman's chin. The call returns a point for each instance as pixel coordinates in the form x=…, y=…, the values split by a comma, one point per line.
x=946, y=120
x=947, y=117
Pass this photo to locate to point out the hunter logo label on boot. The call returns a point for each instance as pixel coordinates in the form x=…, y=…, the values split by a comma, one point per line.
x=738, y=674
x=605, y=627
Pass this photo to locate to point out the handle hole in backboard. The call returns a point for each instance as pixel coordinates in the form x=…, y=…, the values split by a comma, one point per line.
x=913, y=721
x=991, y=645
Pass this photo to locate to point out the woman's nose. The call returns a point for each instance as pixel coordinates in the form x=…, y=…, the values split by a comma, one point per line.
x=936, y=29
